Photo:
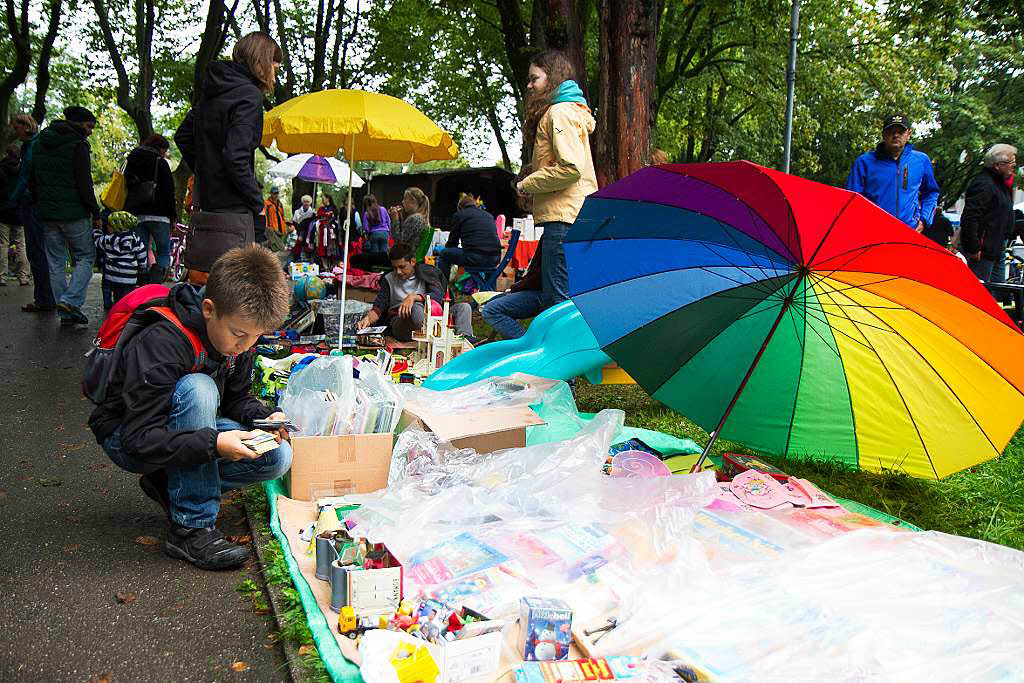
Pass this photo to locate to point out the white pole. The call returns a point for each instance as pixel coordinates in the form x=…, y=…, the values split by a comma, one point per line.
x=344, y=264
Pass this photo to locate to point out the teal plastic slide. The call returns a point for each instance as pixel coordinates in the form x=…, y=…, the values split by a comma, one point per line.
x=557, y=345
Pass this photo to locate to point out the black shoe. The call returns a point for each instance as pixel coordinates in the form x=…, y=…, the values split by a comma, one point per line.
x=69, y=312
x=205, y=548
x=154, y=485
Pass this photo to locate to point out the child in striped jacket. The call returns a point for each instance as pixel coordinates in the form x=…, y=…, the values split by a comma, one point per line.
x=124, y=257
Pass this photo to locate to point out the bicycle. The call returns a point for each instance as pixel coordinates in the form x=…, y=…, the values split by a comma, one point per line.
x=179, y=239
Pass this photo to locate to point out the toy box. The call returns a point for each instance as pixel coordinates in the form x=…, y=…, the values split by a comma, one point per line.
x=570, y=671
x=376, y=591
x=546, y=629
x=470, y=657
x=734, y=463
x=300, y=270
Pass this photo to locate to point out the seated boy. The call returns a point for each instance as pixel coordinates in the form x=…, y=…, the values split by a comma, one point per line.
x=183, y=430
x=404, y=292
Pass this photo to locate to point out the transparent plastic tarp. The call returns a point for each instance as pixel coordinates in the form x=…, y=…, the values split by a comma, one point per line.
x=739, y=594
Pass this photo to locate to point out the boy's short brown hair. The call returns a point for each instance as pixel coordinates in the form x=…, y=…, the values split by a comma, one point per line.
x=249, y=282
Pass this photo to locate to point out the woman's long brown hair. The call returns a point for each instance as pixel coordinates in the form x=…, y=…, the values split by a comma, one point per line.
x=559, y=69
x=258, y=53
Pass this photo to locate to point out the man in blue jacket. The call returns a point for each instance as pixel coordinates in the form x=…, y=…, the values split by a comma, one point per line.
x=897, y=177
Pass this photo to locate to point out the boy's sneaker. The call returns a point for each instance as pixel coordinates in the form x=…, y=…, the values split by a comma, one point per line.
x=154, y=485
x=205, y=548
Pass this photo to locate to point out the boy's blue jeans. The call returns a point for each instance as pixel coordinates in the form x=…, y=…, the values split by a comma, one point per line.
x=195, y=490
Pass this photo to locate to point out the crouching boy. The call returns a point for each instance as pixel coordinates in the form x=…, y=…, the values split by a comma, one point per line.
x=182, y=428
x=405, y=291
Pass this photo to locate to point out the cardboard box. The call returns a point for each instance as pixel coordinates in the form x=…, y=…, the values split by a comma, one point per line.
x=337, y=465
x=372, y=592
x=485, y=431
x=460, y=660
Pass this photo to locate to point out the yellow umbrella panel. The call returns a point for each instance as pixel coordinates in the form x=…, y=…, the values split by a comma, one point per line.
x=366, y=126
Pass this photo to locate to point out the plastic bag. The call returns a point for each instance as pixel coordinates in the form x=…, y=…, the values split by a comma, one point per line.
x=331, y=310
x=513, y=390
x=387, y=401
x=304, y=402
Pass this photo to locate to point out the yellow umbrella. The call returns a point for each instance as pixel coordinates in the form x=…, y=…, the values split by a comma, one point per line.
x=366, y=126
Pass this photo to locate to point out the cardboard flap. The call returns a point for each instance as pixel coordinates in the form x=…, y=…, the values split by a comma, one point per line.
x=454, y=426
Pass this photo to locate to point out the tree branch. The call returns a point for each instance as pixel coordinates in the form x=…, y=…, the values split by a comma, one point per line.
x=43, y=65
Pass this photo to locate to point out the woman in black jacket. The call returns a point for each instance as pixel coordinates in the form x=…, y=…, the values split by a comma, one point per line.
x=153, y=204
x=217, y=140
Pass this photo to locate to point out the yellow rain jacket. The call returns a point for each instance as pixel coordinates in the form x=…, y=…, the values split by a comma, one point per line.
x=565, y=167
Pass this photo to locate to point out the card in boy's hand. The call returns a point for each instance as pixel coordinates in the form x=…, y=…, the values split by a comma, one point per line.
x=261, y=443
x=275, y=424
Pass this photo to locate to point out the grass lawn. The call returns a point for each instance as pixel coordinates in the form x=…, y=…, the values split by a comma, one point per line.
x=985, y=502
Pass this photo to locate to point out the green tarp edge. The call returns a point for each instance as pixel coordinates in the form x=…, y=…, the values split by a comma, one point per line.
x=338, y=666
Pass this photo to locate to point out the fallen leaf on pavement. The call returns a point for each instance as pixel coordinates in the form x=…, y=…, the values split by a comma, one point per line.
x=102, y=678
x=50, y=482
x=239, y=666
x=97, y=465
x=263, y=611
x=126, y=598
x=146, y=540
x=306, y=650
x=73, y=547
x=240, y=539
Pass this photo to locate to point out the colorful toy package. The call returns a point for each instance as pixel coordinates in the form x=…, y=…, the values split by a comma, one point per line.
x=570, y=671
x=546, y=629
x=734, y=463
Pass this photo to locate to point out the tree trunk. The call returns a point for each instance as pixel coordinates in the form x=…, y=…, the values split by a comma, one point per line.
x=564, y=29
x=214, y=35
x=43, y=65
x=629, y=31
x=18, y=28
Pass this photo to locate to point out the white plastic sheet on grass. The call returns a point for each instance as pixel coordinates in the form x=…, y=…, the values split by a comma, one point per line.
x=869, y=605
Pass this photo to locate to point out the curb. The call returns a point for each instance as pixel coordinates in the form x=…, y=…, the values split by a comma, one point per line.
x=261, y=537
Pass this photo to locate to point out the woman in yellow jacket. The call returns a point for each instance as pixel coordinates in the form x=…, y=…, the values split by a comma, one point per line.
x=557, y=130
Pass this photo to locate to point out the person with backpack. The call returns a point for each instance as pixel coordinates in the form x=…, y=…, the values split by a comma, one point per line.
x=123, y=256
x=171, y=375
x=151, y=198
x=217, y=140
x=60, y=181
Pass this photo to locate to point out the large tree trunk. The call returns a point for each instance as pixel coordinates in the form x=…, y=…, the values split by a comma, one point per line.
x=43, y=65
x=18, y=27
x=565, y=25
x=629, y=31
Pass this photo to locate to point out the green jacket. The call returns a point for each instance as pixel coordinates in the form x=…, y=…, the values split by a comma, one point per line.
x=60, y=174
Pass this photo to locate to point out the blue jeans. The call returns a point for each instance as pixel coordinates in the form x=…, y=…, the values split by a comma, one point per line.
x=377, y=242
x=554, y=274
x=57, y=237
x=195, y=490
x=470, y=260
x=504, y=310
x=42, y=295
x=161, y=234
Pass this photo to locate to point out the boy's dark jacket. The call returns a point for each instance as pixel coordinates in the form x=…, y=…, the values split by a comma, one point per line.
x=431, y=278
x=139, y=398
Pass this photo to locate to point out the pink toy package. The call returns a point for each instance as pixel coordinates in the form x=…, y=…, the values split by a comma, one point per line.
x=759, y=490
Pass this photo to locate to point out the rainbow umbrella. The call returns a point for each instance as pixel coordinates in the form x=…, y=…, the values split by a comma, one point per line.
x=797, y=318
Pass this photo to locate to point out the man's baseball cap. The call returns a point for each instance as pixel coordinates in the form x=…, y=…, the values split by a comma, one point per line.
x=896, y=120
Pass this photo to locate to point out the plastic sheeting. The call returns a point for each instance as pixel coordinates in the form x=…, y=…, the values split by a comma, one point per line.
x=742, y=594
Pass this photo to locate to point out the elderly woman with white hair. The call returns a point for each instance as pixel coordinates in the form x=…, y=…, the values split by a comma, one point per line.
x=304, y=211
x=987, y=219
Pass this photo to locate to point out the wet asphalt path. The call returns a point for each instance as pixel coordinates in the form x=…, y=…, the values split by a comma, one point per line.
x=69, y=520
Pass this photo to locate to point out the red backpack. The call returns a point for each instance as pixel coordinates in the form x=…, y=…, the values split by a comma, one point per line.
x=129, y=316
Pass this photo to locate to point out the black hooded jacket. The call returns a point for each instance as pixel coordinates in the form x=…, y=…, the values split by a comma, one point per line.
x=146, y=163
x=987, y=218
x=218, y=137
x=140, y=391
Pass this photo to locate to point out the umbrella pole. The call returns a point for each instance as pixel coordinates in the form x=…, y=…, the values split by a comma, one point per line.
x=344, y=263
x=750, y=371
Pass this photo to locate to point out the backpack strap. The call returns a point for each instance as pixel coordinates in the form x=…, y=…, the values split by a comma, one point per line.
x=198, y=351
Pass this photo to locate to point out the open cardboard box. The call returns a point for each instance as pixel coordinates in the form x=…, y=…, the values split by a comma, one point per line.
x=485, y=430
x=337, y=465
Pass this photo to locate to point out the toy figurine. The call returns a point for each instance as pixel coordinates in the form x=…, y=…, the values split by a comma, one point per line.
x=347, y=621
